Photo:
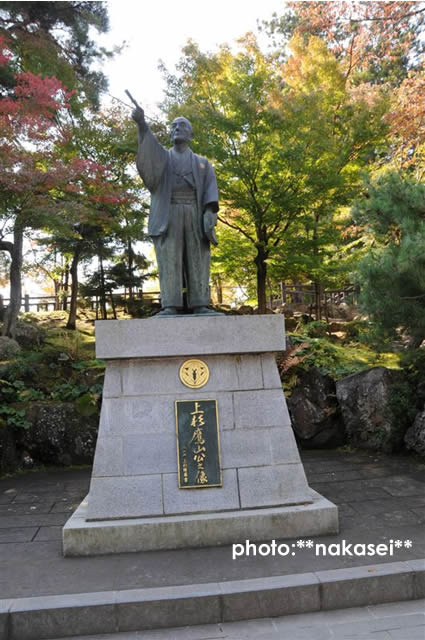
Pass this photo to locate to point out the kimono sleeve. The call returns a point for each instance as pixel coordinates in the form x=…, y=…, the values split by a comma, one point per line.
x=210, y=194
x=151, y=160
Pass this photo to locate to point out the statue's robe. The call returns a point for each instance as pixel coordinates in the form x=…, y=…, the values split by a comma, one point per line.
x=176, y=220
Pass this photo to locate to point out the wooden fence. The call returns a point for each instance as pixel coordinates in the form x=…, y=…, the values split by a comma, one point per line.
x=306, y=295
x=289, y=295
x=60, y=303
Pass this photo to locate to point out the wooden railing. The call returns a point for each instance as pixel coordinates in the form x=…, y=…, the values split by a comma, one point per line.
x=59, y=303
x=306, y=295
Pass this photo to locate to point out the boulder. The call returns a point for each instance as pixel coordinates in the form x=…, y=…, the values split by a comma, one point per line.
x=368, y=409
x=291, y=324
x=28, y=335
x=59, y=434
x=314, y=411
x=8, y=455
x=415, y=435
x=9, y=348
x=245, y=309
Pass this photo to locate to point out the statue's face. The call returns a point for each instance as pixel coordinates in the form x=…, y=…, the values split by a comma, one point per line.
x=181, y=131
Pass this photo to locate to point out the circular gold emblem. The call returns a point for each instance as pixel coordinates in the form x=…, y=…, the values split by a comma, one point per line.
x=194, y=373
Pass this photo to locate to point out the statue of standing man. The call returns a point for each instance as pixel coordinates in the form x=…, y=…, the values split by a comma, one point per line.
x=183, y=214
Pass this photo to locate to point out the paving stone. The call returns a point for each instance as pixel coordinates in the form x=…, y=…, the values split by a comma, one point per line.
x=48, y=533
x=420, y=513
x=415, y=633
x=66, y=505
x=397, y=608
x=248, y=627
x=35, y=520
x=400, y=486
x=15, y=534
x=4, y=622
x=379, y=624
x=20, y=509
x=39, y=497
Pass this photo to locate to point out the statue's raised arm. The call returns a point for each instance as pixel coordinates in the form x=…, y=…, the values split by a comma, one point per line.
x=137, y=114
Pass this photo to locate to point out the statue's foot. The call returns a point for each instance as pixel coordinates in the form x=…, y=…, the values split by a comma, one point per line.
x=206, y=311
x=168, y=311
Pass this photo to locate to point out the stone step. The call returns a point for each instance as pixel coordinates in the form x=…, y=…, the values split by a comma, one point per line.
x=85, y=614
x=393, y=621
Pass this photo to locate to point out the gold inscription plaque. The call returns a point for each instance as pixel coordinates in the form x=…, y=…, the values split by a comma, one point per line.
x=194, y=373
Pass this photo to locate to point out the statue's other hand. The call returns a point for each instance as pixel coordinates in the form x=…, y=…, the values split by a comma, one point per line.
x=138, y=116
x=210, y=220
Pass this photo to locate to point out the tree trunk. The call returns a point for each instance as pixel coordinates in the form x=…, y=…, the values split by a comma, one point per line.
x=72, y=318
x=66, y=286
x=102, y=289
x=260, y=262
x=130, y=269
x=11, y=315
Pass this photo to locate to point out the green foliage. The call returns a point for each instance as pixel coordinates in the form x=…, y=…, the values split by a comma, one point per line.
x=400, y=407
x=339, y=361
x=316, y=329
x=14, y=417
x=45, y=375
x=392, y=276
x=53, y=38
x=288, y=143
x=87, y=404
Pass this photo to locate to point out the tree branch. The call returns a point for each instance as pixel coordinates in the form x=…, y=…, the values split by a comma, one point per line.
x=237, y=228
x=6, y=246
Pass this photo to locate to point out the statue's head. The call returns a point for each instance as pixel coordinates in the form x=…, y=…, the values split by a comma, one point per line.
x=181, y=130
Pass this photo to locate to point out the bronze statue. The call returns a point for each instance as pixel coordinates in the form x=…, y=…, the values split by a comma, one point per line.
x=183, y=214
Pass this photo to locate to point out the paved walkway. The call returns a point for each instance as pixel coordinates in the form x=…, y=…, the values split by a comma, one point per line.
x=380, y=498
x=395, y=621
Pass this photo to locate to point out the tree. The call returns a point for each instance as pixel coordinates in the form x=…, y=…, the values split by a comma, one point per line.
x=288, y=142
x=53, y=38
x=44, y=183
x=376, y=42
x=29, y=167
x=392, y=276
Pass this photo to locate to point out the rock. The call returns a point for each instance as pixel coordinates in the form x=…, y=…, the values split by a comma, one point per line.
x=9, y=348
x=314, y=411
x=415, y=435
x=59, y=434
x=27, y=335
x=335, y=326
x=8, y=455
x=338, y=336
x=368, y=410
x=245, y=309
x=291, y=324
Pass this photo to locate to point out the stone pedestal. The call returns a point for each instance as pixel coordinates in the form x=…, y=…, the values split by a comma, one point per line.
x=134, y=502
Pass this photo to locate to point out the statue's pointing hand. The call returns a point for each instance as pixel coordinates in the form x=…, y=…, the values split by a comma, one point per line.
x=138, y=116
